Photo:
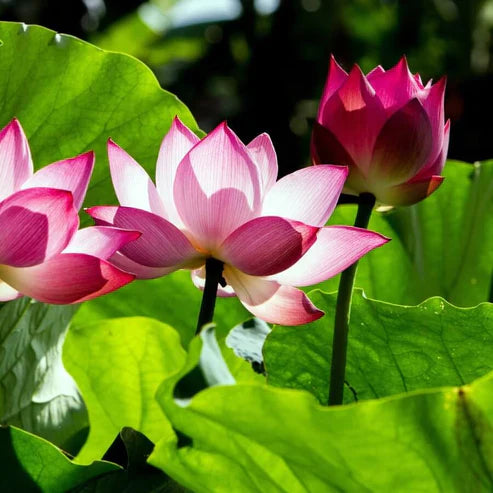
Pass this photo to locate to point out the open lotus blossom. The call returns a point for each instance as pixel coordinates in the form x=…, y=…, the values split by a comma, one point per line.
x=387, y=127
x=42, y=253
x=218, y=198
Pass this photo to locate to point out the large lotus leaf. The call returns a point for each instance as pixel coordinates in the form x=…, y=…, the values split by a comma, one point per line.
x=391, y=348
x=36, y=393
x=163, y=299
x=174, y=300
x=118, y=365
x=248, y=438
x=29, y=464
x=440, y=247
x=70, y=97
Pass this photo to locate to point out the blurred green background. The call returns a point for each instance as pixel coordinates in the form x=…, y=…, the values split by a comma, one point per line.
x=262, y=64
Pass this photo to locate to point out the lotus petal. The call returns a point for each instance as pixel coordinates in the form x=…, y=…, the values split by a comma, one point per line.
x=266, y=245
x=66, y=278
x=336, y=248
x=69, y=174
x=16, y=165
x=271, y=301
x=176, y=143
x=132, y=184
x=308, y=195
x=36, y=224
x=216, y=187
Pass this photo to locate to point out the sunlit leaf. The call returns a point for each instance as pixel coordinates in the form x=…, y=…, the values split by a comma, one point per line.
x=36, y=392
x=391, y=349
x=249, y=438
x=29, y=463
x=173, y=299
x=118, y=365
x=211, y=369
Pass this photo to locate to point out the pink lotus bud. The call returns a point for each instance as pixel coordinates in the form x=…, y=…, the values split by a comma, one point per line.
x=387, y=127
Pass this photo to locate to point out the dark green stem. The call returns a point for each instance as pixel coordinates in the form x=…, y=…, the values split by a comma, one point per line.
x=343, y=308
x=213, y=276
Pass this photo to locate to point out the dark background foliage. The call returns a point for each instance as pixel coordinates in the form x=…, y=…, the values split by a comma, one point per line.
x=264, y=70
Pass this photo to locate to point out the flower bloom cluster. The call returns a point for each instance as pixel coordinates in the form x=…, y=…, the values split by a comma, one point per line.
x=219, y=198
x=42, y=253
x=387, y=127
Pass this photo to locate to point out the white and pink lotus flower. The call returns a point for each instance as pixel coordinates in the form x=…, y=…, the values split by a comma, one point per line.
x=218, y=198
x=42, y=253
x=387, y=127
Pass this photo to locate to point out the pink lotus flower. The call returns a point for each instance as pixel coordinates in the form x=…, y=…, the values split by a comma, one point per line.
x=42, y=255
x=218, y=198
x=387, y=127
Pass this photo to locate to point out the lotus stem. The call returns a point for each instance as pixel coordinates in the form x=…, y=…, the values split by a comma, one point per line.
x=343, y=309
x=213, y=276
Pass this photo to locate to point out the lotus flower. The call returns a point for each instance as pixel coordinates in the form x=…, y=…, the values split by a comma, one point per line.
x=387, y=127
x=42, y=254
x=218, y=198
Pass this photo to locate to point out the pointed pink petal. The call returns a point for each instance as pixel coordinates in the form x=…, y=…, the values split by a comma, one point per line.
x=418, y=80
x=138, y=270
x=436, y=166
x=162, y=244
x=271, y=301
x=16, y=165
x=403, y=145
x=176, y=143
x=103, y=215
x=308, y=195
x=36, y=224
x=335, y=78
x=395, y=87
x=7, y=293
x=266, y=245
x=355, y=115
x=264, y=155
x=133, y=187
x=377, y=71
x=70, y=174
x=216, y=187
x=433, y=104
x=100, y=241
x=411, y=192
x=198, y=279
x=336, y=248
x=66, y=278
